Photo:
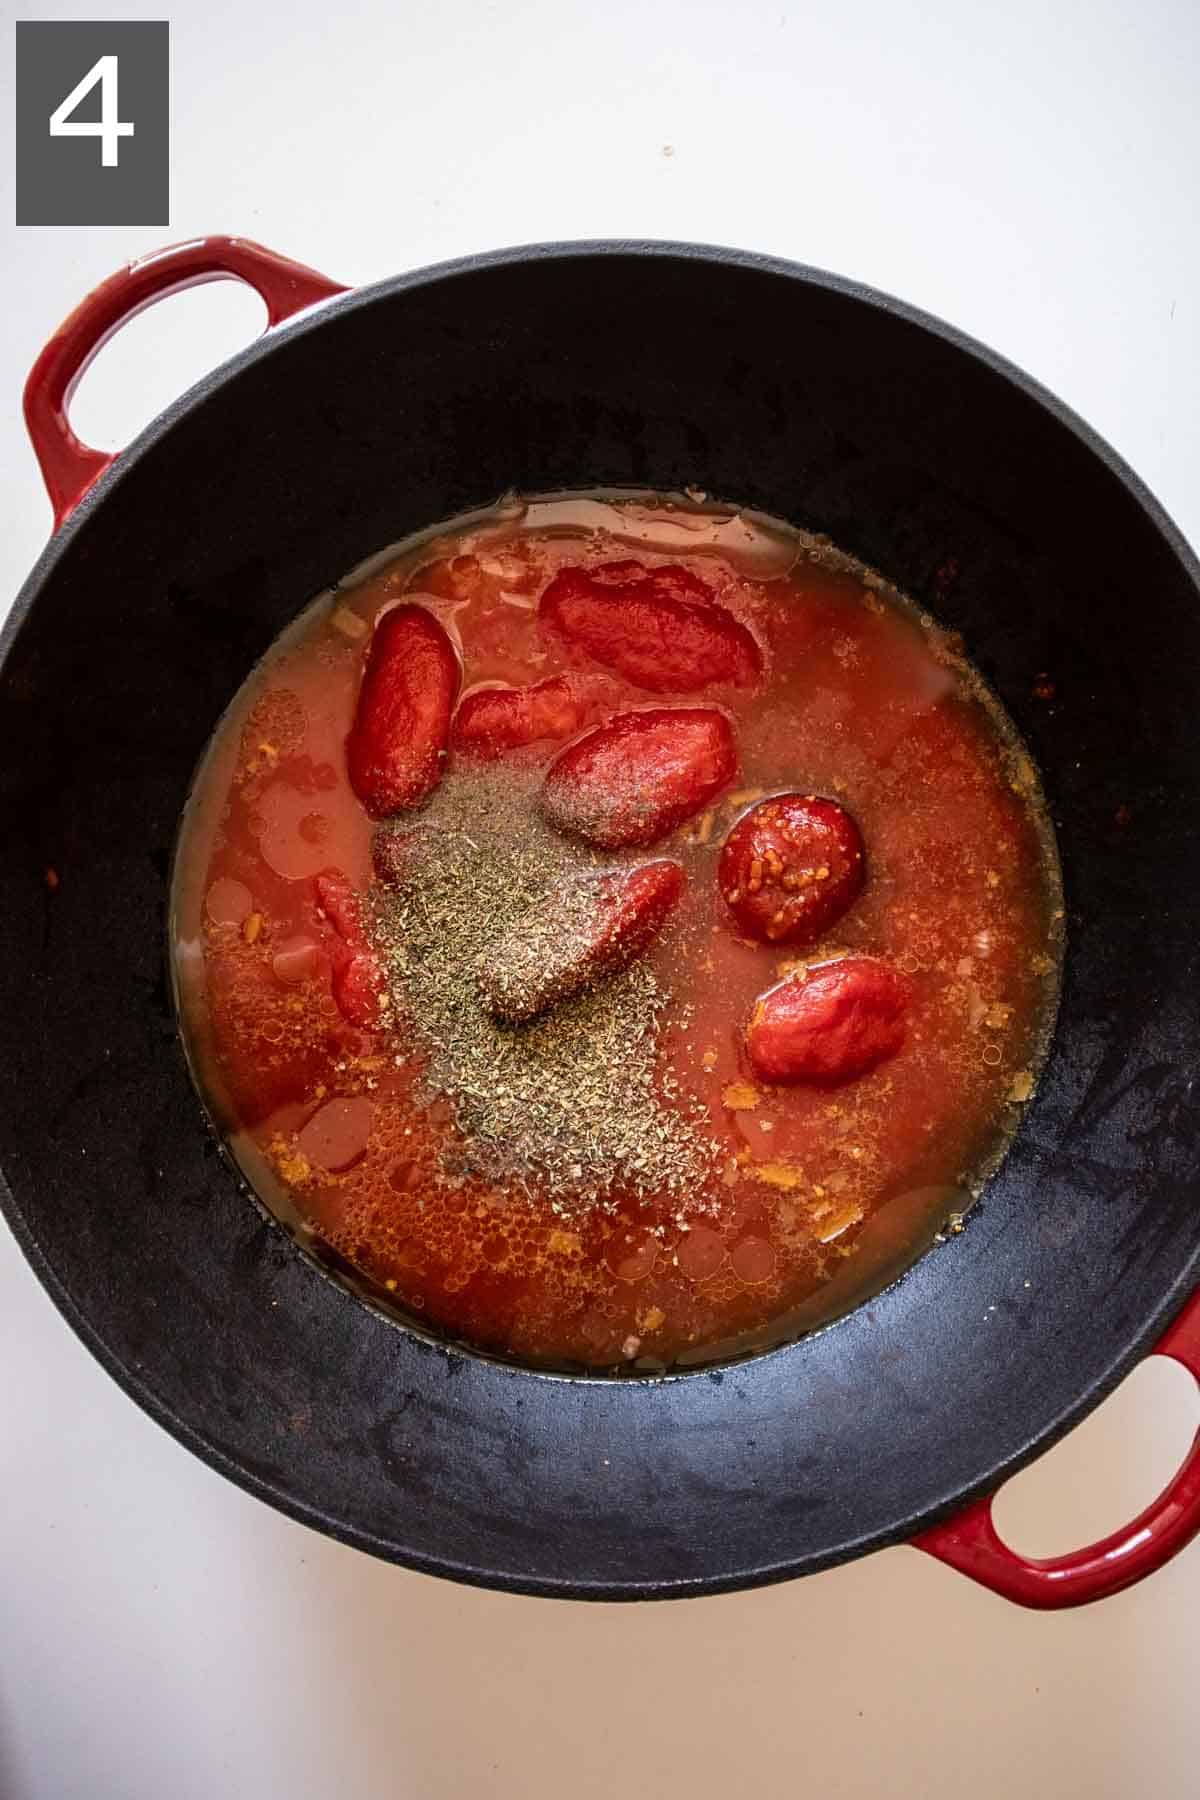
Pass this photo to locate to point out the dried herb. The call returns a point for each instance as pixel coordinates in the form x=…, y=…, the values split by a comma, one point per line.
x=572, y=1102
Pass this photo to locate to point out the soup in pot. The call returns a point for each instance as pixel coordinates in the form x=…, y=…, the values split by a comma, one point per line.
x=617, y=932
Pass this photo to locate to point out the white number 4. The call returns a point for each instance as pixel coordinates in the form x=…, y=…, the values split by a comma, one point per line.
x=108, y=128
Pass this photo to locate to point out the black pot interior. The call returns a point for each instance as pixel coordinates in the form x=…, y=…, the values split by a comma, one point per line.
x=411, y=402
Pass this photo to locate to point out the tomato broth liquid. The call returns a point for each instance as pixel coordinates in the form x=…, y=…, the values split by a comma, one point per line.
x=611, y=1185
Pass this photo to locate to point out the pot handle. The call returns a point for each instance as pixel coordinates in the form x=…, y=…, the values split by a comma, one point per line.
x=68, y=466
x=970, y=1542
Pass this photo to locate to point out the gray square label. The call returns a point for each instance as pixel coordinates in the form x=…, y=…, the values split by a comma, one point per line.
x=92, y=123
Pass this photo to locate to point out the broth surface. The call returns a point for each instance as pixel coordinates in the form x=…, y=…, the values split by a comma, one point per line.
x=610, y=1186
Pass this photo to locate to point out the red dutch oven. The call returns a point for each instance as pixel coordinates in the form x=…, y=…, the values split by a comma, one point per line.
x=359, y=417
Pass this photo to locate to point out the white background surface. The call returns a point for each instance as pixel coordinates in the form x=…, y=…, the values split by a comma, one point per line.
x=1028, y=171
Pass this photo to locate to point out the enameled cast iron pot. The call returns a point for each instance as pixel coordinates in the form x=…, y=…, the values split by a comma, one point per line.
x=374, y=413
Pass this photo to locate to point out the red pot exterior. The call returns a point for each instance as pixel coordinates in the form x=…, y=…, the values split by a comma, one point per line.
x=970, y=1542
x=68, y=466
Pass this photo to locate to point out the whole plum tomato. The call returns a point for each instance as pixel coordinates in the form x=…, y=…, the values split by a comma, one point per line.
x=396, y=744
x=791, y=867
x=660, y=628
x=581, y=932
x=829, y=1024
x=636, y=777
x=494, y=719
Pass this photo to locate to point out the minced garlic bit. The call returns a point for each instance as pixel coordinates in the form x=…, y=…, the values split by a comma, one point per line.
x=252, y=929
x=741, y=1096
x=836, y=1223
x=349, y=623
x=1022, y=776
x=293, y=1166
x=708, y=1061
x=778, y=1175
x=1020, y=1087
